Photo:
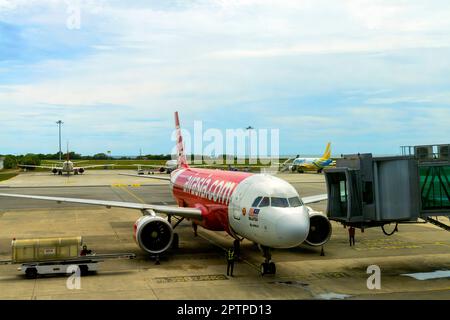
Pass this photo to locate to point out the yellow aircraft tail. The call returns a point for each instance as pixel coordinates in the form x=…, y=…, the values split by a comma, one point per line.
x=327, y=153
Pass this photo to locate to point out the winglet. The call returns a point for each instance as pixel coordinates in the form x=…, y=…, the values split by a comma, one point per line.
x=182, y=162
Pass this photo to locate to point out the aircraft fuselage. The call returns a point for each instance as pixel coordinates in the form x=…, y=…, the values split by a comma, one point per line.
x=230, y=201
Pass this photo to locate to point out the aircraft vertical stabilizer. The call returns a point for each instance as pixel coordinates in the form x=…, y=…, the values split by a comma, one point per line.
x=182, y=161
x=327, y=153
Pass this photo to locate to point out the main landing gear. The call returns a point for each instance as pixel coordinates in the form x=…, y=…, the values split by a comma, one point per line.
x=175, y=241
x=176, y=238
x=267, y=267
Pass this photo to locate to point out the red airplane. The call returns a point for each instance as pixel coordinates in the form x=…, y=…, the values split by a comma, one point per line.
x=259, y=207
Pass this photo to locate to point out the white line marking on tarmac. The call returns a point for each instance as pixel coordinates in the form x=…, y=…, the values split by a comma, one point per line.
x=429, y=275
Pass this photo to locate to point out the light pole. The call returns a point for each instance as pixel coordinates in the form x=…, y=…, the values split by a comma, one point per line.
x=59, y=123
x=249, y=129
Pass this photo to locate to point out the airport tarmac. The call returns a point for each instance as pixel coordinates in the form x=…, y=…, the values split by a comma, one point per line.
x=197, y=270
x=88, y=178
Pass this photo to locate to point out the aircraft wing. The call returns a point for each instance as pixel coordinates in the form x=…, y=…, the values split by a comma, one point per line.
x=142, y=176
x=96, y=166
x=164, y=166
x=32, y=166
x=178, y=211
x=147, y=165
x=317, y=198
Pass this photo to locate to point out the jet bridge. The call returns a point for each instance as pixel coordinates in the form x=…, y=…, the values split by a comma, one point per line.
x=366, y=191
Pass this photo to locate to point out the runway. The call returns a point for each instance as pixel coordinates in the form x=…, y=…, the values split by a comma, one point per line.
x=197, y=270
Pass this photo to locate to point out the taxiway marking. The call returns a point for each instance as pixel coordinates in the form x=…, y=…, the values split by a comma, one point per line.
x=133, y=195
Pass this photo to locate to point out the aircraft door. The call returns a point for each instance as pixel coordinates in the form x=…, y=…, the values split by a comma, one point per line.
x=237, y=200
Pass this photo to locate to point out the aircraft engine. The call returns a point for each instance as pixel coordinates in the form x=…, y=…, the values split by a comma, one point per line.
x=80, y=170
x=153, y=234
x=54, y=171
x=319, y=228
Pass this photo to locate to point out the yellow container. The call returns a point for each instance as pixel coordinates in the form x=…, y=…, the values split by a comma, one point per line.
x=43, y=249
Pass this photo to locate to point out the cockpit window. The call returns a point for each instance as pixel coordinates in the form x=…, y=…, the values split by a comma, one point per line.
x=256, y=202
x=279, y=202
x=265, y=202
x=295, y=202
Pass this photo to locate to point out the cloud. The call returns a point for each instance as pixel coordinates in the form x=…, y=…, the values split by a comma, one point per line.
x=361, y=71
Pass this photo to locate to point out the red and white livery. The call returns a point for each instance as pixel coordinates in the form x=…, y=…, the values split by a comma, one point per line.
x=259, y=207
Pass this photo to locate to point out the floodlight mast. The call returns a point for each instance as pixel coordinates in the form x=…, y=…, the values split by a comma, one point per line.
x=59, y=123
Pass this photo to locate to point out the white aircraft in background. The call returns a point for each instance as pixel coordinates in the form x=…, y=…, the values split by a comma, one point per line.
x=168, y=167
x=66, y=167
x=259, y=207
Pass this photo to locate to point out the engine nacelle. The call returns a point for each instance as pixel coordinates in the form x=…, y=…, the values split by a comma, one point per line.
x=54, y=171
x=319, y=228
x=153, y=234
x=80, y=170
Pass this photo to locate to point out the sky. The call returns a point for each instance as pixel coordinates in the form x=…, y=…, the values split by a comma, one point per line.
x=367, y=75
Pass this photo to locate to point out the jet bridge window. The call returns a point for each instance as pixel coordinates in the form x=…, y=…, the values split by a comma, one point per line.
x=295, y=202
x=265, y=202
x=435, y=187
x=343, y=188
x=256, y=202
x=279, y=202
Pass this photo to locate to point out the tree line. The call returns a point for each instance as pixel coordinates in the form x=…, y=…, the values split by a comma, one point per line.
x=12, y=161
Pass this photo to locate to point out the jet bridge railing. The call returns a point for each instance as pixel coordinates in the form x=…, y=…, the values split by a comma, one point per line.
x=435, y=152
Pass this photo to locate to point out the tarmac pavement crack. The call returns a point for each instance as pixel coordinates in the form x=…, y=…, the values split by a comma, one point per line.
x=114, y=190
x=121, y=198
x=33, y=296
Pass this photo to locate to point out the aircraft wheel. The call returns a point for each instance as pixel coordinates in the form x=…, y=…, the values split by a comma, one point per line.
x=31, y=273
x=175, y=241
x=263, y=268
x=84, y=270
x=272, y=268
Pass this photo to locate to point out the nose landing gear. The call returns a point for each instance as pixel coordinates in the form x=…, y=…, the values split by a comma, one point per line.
x=267, y=267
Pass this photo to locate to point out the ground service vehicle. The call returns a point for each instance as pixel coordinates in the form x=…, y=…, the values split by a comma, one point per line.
x=56, y=256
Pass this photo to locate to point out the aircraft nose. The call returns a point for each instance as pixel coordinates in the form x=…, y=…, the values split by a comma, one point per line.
x=293, y=229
